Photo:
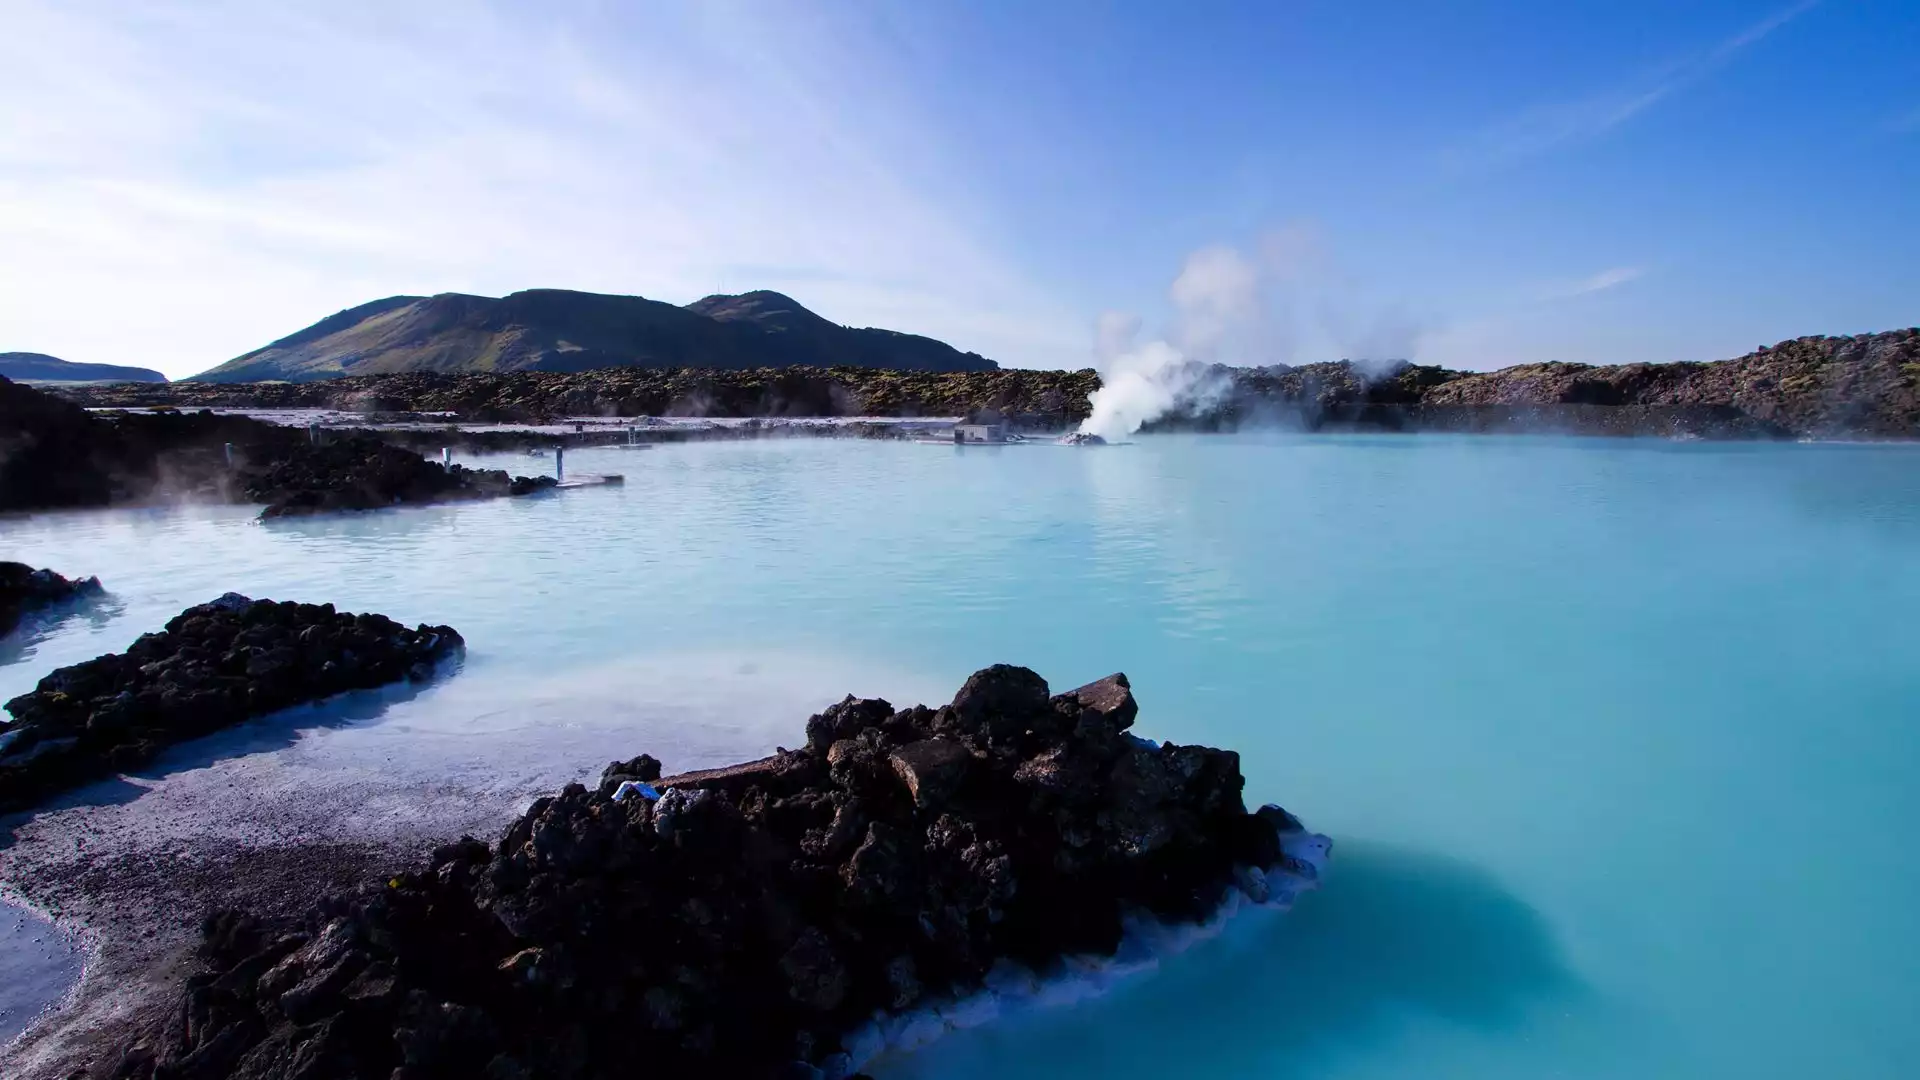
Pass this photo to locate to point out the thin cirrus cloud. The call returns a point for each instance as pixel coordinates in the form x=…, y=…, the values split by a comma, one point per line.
x=1545, y=127
x=1611, y=278
x=218, y=175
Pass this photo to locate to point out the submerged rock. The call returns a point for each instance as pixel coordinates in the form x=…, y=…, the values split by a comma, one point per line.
x=213, y=666
x=753, y=920
x=24, y=590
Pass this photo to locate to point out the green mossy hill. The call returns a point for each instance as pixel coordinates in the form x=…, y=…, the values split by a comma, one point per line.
x=563, y=330
x=39, y=367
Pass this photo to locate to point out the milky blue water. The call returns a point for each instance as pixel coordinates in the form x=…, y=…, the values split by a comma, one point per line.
x=1617, y=740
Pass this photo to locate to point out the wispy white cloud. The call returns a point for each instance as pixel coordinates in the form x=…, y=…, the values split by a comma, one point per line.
x=182, y=184
x=1610, y=278
x=1544, y=127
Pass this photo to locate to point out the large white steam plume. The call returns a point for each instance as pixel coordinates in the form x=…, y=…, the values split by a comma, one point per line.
x=1216, y=298
x=1229, y=308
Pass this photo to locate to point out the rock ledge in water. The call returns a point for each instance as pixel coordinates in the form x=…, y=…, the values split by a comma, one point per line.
x=747, y=921
x=362, y=473
x=24, y=590
x=213, y=666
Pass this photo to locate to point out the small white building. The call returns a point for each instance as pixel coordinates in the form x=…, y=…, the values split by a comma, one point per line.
x=979, y=433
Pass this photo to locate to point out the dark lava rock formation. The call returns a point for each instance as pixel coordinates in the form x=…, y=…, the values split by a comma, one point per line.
x=24, y=590
x=1820, y=387
x=361, y=473
x=1824, y=387
x=1028, y=398
x=562, y=330
x=741, y=922
x=213, y=666
x=55, y=455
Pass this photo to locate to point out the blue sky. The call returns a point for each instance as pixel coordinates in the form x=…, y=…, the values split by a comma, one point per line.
x=1474, y=184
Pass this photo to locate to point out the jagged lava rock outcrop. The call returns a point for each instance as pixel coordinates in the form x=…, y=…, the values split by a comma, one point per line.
x=24, y=590
x=1031, y=398
x=361, y=473
x=1866, y=384
x=753, y=920
x=54, y=455
x=213, y=666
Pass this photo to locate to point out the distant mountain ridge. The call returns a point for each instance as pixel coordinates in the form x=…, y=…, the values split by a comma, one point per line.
x=562, y=330
x=39, y=367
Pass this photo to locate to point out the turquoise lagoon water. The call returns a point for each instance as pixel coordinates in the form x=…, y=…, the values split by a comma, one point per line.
x=1616, y=739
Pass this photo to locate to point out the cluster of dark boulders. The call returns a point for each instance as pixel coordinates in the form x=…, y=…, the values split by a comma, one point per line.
x=1027, y=397
x=740, y=922
x=54, y=454
x=1823, y=387
x=51, y=453
x=214, y=665
x=25, y=591
x=361, y=473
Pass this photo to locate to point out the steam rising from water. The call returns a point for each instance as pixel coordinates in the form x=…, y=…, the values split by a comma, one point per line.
x=1230, y=307
x=1146, y=384
x=1217, y=298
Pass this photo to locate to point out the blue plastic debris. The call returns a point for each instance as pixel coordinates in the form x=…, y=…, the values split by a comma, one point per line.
x=635, y=787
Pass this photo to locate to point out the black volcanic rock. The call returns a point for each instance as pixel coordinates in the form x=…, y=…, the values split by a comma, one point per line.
x=753, y=920
x=39, y=367
x=24, y=590
x=561, y=330
x=1866, y=385
x=213, y=666
x=54, y=454
x=1823, y=387
x=1030, y=399
x=361, y=473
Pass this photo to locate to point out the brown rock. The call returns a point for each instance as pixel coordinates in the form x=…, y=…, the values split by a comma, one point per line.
x=932, y=769
x=1110, y=699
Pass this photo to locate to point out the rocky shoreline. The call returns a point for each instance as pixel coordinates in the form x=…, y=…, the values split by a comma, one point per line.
x=362, y=473
x=213, y=666
x=56, y=455
x=1861, y=386
x=25, y=591
x=1864, y=386
x=749, y=921
x=1049, y=400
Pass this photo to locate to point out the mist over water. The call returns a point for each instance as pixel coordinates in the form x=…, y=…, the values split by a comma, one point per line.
x=1613, y=737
